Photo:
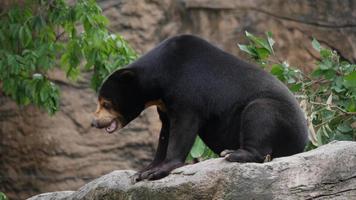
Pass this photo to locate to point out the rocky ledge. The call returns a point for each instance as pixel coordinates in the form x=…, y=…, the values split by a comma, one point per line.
x=328, y=172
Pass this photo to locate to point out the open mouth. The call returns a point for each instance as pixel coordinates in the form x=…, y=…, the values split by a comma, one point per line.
x=112, y=127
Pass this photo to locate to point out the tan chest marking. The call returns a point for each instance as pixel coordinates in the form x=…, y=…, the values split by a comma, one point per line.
x=159, y=103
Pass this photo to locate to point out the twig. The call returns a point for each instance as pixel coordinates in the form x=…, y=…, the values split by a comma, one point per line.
x=333, y=106
x=327, y=121
x=59, y=36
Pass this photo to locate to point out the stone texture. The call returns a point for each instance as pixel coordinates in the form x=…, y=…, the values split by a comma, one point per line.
x=328, y=172
x=294, y=24
x=55, y=195
x=41, y=154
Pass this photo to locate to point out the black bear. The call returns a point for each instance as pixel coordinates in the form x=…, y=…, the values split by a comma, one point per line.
x=201, y=90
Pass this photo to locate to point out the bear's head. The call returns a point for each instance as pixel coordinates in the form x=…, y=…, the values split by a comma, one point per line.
x=119, y=101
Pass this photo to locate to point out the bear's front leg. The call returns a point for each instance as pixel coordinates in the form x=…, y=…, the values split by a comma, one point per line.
x=161, y=148
x=182, y=132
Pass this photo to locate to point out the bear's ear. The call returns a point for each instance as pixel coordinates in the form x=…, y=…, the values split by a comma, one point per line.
x=126, y=75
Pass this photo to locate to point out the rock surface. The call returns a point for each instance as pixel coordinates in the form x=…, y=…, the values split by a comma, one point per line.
x=328, y=172
x=41, y=153
x=293, y=23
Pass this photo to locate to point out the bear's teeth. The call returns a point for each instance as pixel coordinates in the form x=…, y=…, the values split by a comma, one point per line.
x=112, y=127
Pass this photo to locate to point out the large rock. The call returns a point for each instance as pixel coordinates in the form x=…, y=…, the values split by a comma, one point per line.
x=328, y=172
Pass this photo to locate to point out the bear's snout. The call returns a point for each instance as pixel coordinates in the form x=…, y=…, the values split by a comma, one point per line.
x=94, y=123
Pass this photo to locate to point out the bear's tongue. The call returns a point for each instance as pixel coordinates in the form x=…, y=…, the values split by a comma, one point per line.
x=112, y=127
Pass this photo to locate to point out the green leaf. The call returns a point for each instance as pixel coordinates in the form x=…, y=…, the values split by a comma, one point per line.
x=270, y=40
x=21, y=35
x=326, y=54
x=262, y=53
x=319, y=136
x=259, y=42
x=317, y=73
x=330, y=74
x=248, y=49
x=278, y=71
x=344, y=127
x=208, y=153
x=2, y=36
x=37, y=76
x=325, y=65
x=351, y=107
x=198, y=148
x=343, y=137
x=8, y=85
x=290, y=79
x=25, y=36
x=316, y=45
x=44, y=93
x=3, y=196
x=14, y=65
x=296, y=87
x=38, y=23
x=350, y=80
x=338, y=88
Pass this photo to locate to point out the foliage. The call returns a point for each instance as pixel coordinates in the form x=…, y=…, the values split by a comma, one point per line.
x=3, y=196
x=327, y=95
x=200, y=151
x=42, y=35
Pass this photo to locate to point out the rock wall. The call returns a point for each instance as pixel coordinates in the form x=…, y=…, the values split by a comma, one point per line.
x=293, y=23
x=328, y=172
x=40, y=153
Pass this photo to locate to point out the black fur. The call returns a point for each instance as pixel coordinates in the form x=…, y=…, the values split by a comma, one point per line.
x=231, y=104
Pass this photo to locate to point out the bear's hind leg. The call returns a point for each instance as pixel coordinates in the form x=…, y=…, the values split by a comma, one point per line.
x=257, y=132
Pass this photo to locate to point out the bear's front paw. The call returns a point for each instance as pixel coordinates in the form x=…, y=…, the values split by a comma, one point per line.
x=158, y=172
x=145, y=174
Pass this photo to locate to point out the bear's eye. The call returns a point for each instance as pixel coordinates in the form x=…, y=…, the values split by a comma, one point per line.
x=106, y=105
